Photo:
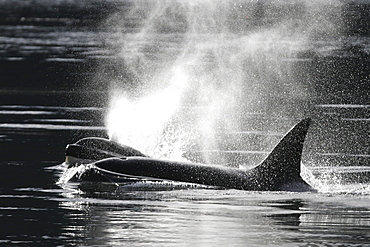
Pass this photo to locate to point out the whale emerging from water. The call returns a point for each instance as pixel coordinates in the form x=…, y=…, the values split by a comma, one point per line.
x=102, y=160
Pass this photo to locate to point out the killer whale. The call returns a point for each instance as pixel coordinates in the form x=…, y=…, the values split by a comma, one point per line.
x=106, y=161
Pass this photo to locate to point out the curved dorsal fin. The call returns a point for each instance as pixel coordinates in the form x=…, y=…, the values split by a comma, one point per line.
x=283, y=165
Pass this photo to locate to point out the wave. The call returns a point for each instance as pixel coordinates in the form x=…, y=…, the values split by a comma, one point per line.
x=49, y=127
x=343, y=106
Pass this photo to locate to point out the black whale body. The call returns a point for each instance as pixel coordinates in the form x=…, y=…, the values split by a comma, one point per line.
x=107, y=161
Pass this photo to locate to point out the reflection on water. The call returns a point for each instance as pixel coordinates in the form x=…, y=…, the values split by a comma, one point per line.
x=51, y=96
x=213, y=217
x=136, y=216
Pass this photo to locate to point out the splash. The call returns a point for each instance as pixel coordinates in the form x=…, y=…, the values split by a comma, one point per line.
x=186, y=71
x=349, y=180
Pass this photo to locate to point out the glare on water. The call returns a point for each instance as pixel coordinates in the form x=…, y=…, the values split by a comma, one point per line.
x=211, y=81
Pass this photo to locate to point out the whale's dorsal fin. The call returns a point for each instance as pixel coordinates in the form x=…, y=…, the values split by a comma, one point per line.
x=283, y=165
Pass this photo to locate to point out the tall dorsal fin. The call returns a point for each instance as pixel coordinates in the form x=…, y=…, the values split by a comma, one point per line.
x=283, y=165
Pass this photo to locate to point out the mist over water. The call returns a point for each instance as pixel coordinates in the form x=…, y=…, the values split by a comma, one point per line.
x=190, y=70
x=220, y=79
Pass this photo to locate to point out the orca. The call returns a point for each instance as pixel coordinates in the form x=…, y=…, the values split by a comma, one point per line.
x=103, y=160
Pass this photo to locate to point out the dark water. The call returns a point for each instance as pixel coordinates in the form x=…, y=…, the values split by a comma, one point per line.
x=56, y=64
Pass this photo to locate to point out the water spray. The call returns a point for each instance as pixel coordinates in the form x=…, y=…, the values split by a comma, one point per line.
x=195, y=68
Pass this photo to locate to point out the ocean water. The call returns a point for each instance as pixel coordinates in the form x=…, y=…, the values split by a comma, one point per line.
x=62, y=64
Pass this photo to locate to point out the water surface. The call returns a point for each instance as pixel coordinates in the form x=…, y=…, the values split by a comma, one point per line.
x=52, y=95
